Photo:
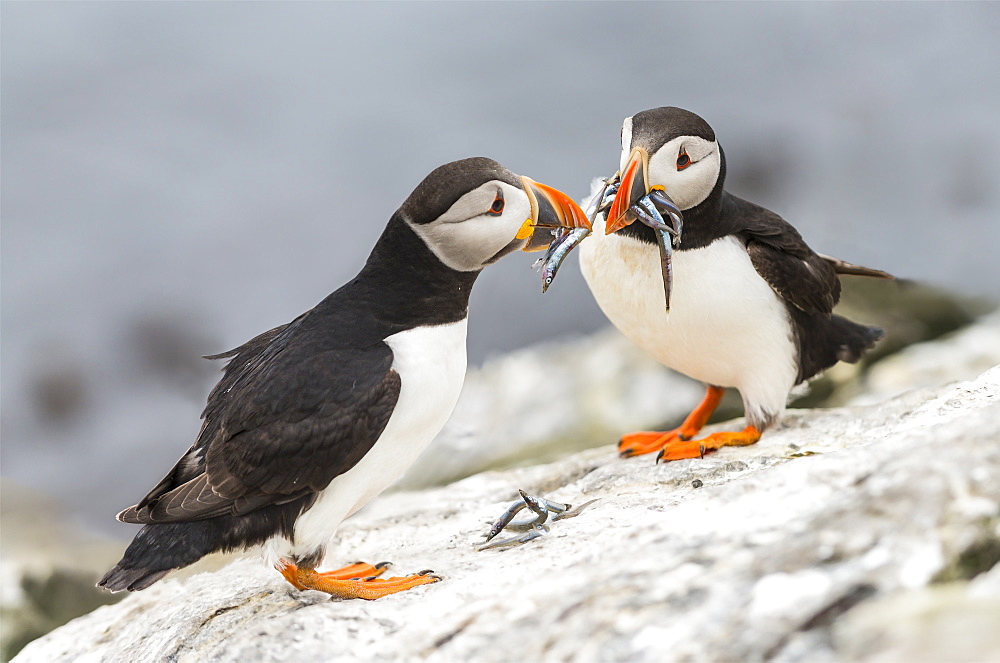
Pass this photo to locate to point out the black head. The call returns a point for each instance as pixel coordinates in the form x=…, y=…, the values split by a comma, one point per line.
x=679, y=152
x=442, y=188
x=652, y=128
x=675, y=151
x=472, y=212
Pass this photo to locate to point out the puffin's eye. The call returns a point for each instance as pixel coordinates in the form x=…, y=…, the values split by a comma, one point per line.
x=683, y=161
x=496, y=209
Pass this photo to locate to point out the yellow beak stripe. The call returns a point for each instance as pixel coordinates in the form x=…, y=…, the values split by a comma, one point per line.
x=527, y=228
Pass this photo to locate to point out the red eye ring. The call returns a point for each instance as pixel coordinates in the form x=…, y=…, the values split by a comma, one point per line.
x=683, y=161
x=496, y=209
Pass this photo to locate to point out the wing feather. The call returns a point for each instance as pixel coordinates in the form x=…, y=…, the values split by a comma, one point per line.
x=844, y=267
x=780, y=255
x=289, y=415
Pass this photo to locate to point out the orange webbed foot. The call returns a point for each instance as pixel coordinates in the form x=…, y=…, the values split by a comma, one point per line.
x=344, y=584
x=636, y=444
x=682, y=449
x=646, y=442
x=357, y=571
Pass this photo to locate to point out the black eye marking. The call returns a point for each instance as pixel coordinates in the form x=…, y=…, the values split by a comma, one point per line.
x=496, y=209
x=683, y=160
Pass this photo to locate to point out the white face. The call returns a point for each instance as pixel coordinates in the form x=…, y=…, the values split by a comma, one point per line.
x=626, y=142
x=470, y=233
x=687, y=185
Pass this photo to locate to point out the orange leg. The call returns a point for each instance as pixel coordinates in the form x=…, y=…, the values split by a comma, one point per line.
x=636, y=444
x=345, y=583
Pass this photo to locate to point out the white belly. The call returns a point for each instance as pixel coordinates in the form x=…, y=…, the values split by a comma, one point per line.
x=726, y=326
x=431, y=364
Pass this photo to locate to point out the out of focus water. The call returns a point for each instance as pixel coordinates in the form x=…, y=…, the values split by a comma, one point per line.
x=178, y=177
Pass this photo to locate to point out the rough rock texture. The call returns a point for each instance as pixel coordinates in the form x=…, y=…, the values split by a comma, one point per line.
x=47, y=568
x=864, y=532
x=966, y=352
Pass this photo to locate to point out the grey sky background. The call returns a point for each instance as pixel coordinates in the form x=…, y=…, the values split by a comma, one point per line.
x=178, y=177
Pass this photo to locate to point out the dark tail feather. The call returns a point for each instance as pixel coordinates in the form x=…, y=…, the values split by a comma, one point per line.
x=162, y=547
x=155, y=551
x=855, y=339
x=119, y=579
x=844, y=267
x=823, y=341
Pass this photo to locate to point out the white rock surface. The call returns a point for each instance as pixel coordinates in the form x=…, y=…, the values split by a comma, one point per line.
x=47, y=567
x=960, y=355
x=784, y=553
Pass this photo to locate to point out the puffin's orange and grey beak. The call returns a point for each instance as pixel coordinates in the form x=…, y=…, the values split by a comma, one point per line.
x=634, y=185
x=550, y=208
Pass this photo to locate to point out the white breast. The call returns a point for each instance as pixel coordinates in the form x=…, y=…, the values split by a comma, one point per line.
x=726, y=326
x=431, y=364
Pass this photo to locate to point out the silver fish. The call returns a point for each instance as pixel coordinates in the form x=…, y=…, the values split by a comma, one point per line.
x=646, y=211
x=566, y=240
x=665, y=242
x=535, y=532
x=535, y=504
x=536, y=526
x=663, y=203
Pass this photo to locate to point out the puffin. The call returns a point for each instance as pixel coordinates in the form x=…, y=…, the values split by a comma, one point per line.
x=749, y=304
x=311, y=420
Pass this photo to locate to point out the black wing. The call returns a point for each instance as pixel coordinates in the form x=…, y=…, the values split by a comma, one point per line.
x=800, y=276
x=809, y=285
x=289, y=415
x=244, y=358
x=805, y=279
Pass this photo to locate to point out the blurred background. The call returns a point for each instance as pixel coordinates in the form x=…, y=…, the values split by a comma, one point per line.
x=178, y=177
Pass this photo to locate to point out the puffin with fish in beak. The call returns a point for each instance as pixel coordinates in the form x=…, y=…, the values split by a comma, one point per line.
x=713, y=286
x=311, y=420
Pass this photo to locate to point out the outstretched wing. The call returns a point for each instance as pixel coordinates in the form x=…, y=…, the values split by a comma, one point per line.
x=289, y=415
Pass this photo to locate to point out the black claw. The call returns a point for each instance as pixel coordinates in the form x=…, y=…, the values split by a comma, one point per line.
x=701, y=450
x=370, y=578
x=426, y=572
x=659, y=456
x=383, y=565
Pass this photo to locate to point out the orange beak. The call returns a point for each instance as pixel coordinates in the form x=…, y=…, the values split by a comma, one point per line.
x=550, y=208
x=634, y=185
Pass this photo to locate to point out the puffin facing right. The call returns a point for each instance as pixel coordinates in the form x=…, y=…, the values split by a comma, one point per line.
x=314, y=418
x=750, y=304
